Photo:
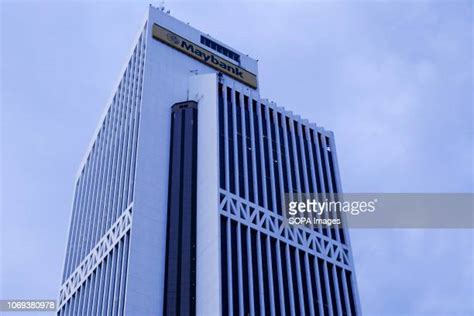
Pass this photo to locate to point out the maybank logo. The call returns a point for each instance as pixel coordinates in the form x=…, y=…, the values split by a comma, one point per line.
x=173, y=38
x=203, y=55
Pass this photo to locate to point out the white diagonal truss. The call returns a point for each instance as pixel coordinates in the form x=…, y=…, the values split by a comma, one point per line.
x=274, y=225
x=105, y=245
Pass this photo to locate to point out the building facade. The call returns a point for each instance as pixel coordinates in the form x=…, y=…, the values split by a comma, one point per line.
x=178, y=203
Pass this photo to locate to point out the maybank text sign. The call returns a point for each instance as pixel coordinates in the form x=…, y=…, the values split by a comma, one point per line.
x=204, y=56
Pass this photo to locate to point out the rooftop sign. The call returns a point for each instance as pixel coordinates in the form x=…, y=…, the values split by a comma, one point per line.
x=203, y=55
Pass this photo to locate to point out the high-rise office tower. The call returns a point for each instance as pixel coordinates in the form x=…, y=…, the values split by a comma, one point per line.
x=178, y=203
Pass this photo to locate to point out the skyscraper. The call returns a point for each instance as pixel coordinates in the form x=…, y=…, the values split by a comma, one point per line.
x=178, y=203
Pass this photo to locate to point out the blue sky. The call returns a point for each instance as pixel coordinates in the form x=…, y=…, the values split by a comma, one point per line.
x=393, y=80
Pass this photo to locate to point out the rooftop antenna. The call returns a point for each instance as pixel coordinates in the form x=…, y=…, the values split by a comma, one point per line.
x=161, y=5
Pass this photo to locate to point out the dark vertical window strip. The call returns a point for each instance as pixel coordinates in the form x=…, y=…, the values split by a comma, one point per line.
x=245, y=270
x=275, y=289
x=323, y=163
x=327, y=184
x=250, y=265
x=266, y=158
x=80, y=302
x=315, y=284
x=89, y=289
x=265, y=272
x=308, y=163
x=282, y=282
x=66, y=309
x=244, y=147
x=103, y=284
x=249, y=149
x=291, y=156
x=224, y=277
x=294, y=278
x=258, y=161
x=171, y=301
x=316, y=161
x=260, y=259
x=322, y=281
x=306, y=169
x=240, y=146
x=234, y=267
x=181, y=240
x=321, y=176
x=304, y=285
x=282, y=156
x=192, y=291
x=115, y=280
x=69, y=307
x=299, y=160
x=102, y=291
x=230, y=138
x=105, y=292
x=97, y=287
x=276, y=162
x=173, y=173
x=230, y=279
x=112, y=278
x=180, y=216
x=312, y=170
x=221, y=137
x=123, y=284
x=75, y=300
x=235, y=121
x=188, y=213
x=332, y=171
x=84, y=291
x=332, y=286
x=226, y=137
x=331, y=167
x=97, y=300
x=256, y=287
x=341, y=290
x=72, y=302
